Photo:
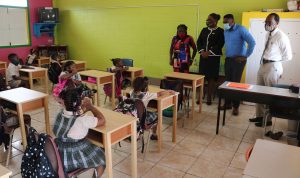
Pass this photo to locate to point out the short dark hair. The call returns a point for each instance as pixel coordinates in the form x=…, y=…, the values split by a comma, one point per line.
x=229, y=16
x=12, y=56
x=182, y=26
x=140, y=84
x=71, y=98
x=115, y=61
x=67, y=65
x=215, y=16
x=54, y=56
x=276, y=17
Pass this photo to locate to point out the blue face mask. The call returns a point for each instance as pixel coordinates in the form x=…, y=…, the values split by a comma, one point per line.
x=227, y=26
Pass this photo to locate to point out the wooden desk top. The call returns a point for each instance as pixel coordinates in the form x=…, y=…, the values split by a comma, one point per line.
x=184, y=76
x=2, y=62
x=282, y=92
x=95, y=73
x=4, y=172
x=114, y=121
x=34, y=69
x=21, y=95
x=273, y=160
x=153, y=89
x=75, y=61
x=133, y=69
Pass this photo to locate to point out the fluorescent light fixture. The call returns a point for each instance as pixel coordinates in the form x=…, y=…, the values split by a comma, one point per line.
x=16, y=3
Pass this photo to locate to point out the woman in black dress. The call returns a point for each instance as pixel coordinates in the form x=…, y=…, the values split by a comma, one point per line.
x=210, y=43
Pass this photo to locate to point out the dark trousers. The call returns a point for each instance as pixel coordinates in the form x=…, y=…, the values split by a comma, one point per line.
x=233, y=73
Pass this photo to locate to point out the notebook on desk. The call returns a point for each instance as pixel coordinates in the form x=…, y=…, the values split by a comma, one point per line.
x=239, y=85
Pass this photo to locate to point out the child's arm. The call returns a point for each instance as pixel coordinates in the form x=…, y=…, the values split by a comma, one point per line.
x=88, y=106
x=67, y=76
x=166, y=92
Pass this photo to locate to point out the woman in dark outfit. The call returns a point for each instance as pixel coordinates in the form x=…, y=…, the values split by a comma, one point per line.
x=210, y=43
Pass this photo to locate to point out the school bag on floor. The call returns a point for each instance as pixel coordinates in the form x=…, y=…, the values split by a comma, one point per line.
x=35, y=163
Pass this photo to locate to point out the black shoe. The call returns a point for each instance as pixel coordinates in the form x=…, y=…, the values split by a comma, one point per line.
x=208, y=102
x=260, y=124
x=153, y=137
x=256, y=119
x=276, y=136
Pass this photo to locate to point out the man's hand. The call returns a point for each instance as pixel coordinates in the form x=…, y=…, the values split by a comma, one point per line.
x=240, y=59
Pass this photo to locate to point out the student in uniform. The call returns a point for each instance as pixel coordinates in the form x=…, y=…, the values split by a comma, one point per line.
x=32, y=57
x=210, y=43
x=71, y=128
x=13, y=75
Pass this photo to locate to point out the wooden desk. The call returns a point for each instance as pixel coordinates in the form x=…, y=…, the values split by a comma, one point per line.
x=101, y=78
x=3, y=66
x=192, y=81
x=133, y=72
x=27, y=100
x=35, y=73
x=80, y=65
x=273, y=160
x=4, y=172
x=257, y=94
x=117, y=127
x=43, y=60
x=164, y=102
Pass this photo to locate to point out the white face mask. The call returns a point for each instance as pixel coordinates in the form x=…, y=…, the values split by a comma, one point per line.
x=227, y=26
x=269, y=28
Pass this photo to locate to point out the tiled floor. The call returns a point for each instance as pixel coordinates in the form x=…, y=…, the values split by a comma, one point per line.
x=199, y=152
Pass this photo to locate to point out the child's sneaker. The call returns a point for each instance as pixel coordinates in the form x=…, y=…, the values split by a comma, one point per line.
x=153, y=137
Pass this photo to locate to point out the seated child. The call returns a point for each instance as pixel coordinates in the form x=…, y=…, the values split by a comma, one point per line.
x=140, y=91
x=54, y=69
x=118, y=68
x=70, y=73
x=71, y=128
x=31, y=58
x=13, y=75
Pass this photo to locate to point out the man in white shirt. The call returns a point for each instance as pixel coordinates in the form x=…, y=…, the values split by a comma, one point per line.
x=277, y=50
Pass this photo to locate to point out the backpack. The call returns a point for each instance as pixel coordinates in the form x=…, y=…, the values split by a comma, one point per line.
x=35, y=162
x=54, y=72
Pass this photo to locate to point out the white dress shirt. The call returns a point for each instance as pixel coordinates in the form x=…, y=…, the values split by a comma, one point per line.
x=279, y=48
x=13, y=70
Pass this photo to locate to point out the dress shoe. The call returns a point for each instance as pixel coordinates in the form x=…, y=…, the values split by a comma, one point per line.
x=227, y=107
x=235, y=111
x=260, y=124
x=208, y=102
x=256, y=119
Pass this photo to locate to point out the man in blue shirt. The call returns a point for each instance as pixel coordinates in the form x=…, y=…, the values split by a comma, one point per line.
x=237, y=52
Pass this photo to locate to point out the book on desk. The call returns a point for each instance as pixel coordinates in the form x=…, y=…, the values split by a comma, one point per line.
x=239, y=85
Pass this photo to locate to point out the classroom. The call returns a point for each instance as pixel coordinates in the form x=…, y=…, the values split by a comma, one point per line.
x=148, y=89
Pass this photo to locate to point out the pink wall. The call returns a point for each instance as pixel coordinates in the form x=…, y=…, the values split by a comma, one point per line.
x=43, y=40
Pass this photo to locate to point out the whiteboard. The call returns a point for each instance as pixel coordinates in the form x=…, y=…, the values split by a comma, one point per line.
x=291, y=27
x=13, y=26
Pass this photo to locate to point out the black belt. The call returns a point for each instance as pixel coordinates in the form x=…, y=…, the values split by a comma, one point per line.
x=267, y=61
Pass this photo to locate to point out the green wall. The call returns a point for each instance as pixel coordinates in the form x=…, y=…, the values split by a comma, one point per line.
x=98, y=30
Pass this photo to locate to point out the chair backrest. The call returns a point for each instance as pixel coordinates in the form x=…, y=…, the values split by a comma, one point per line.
x=176, y=85
x=141, y=112
x=127, y=62
x=53, y=155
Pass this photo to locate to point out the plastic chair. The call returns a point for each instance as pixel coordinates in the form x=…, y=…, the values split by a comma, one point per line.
x=54, y=157
x=127, y=62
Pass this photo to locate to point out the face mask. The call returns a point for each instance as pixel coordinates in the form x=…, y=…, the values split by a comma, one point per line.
x=182, y=35
x=227, y=26
x=269, y=28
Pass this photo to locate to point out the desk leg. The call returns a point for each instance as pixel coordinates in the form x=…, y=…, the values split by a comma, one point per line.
x=113, y=94
x=201, y=95
x=30, y=81
x=46, y=110
x=175, y=107
x=224, y=113
x=134, y=151
x=108, y=156
x=98, y=91
x=218, y=117
x=132, y=76
x=22, y=125
x=6, y=76
x=194, y=98
x=46, y=81
x=159, y=124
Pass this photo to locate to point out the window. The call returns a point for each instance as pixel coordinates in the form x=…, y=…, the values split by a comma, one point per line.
x=14, y=23
x=15, y=3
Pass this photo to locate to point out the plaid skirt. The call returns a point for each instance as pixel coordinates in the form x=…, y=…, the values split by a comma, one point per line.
x=151, y=117
x=80, y=154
